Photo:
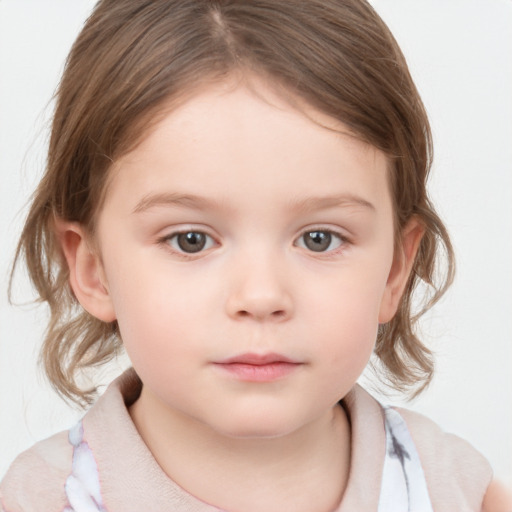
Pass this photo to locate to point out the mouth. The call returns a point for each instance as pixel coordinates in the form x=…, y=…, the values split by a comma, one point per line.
x=258, y=367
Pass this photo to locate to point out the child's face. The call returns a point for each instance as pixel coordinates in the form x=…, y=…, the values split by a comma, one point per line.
x=240, y=228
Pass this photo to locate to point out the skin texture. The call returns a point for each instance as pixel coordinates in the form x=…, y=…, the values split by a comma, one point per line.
x=498, y=497
x=256, y=177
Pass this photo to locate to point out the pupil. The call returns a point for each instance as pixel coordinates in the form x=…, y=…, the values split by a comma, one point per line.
x=191, y=242
x=317, y=241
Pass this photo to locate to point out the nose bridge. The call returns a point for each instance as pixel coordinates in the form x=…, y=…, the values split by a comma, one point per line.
x=260, y=287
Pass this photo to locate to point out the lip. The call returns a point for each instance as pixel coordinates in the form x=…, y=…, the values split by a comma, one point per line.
x=252, y=367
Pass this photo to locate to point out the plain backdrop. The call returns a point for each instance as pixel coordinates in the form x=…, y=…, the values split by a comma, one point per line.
x=460, y=54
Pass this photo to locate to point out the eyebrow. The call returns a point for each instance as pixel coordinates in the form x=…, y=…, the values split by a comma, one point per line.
x=169, y=199
x=325, y=202
x=174, y=199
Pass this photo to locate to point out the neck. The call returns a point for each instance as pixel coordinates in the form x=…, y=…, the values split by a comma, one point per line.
x=305, y=470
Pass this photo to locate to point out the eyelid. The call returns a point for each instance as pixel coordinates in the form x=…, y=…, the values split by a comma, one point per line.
x=334, y=230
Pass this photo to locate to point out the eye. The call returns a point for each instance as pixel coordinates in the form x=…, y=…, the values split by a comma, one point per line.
x=320, y=241
x=190, y=241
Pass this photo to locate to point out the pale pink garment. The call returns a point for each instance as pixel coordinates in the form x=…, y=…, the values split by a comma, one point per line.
x=131, y=480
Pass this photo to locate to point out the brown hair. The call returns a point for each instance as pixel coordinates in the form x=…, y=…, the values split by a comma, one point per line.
x=134, y=56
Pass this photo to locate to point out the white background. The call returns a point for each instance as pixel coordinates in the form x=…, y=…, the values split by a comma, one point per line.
x=460, y=54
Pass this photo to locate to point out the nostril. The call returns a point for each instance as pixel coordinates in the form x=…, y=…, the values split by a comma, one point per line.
x=278, y=314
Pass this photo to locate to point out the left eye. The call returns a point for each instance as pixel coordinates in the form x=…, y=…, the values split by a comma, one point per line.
x=190, y=242
x=320, y=241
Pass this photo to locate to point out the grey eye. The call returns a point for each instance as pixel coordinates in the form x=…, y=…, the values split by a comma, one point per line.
x=191, y=241
x=319, y=241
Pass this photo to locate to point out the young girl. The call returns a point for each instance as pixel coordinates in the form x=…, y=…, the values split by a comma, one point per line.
x=235, y=194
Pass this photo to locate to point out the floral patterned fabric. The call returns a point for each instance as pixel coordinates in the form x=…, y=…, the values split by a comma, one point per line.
x=83, y=484
x=403, y=486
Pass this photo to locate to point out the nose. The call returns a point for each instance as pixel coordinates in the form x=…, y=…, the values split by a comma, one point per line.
x=259, y=290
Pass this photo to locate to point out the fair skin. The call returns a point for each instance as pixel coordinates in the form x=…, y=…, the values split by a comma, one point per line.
x=498, y=497
x=248, y=258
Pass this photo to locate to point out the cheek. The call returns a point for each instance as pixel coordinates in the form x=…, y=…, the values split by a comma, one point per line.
x=346, y=314
x=350, y=340
x=161, y=317
x=351, y=298
x=350, y=350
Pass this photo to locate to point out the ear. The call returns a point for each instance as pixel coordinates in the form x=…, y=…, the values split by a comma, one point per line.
x=403, y=261
x=86, y=276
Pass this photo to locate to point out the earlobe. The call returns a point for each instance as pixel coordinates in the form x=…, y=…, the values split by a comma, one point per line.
x=86, y=275
x=403, y=261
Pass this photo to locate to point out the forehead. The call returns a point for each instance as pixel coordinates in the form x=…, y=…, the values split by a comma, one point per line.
x=236, y=139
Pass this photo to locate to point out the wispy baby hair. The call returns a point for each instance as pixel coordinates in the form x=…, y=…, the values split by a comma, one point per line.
x=135, y=59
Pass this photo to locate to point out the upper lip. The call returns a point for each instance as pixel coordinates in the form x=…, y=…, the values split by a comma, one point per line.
x=257, y=359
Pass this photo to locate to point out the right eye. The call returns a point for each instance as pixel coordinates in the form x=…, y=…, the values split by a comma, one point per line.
x=190, y=242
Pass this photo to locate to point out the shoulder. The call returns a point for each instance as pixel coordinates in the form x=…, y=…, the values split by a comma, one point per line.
x=498, y=497
x=457, y=475
x=35, y=481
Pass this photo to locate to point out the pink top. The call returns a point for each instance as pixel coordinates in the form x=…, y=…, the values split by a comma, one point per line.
x=457, y=475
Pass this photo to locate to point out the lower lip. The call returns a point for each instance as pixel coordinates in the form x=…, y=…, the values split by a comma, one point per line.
x=259, y=372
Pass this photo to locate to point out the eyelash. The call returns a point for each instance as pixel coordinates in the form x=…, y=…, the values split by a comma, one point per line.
x=210, y=242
